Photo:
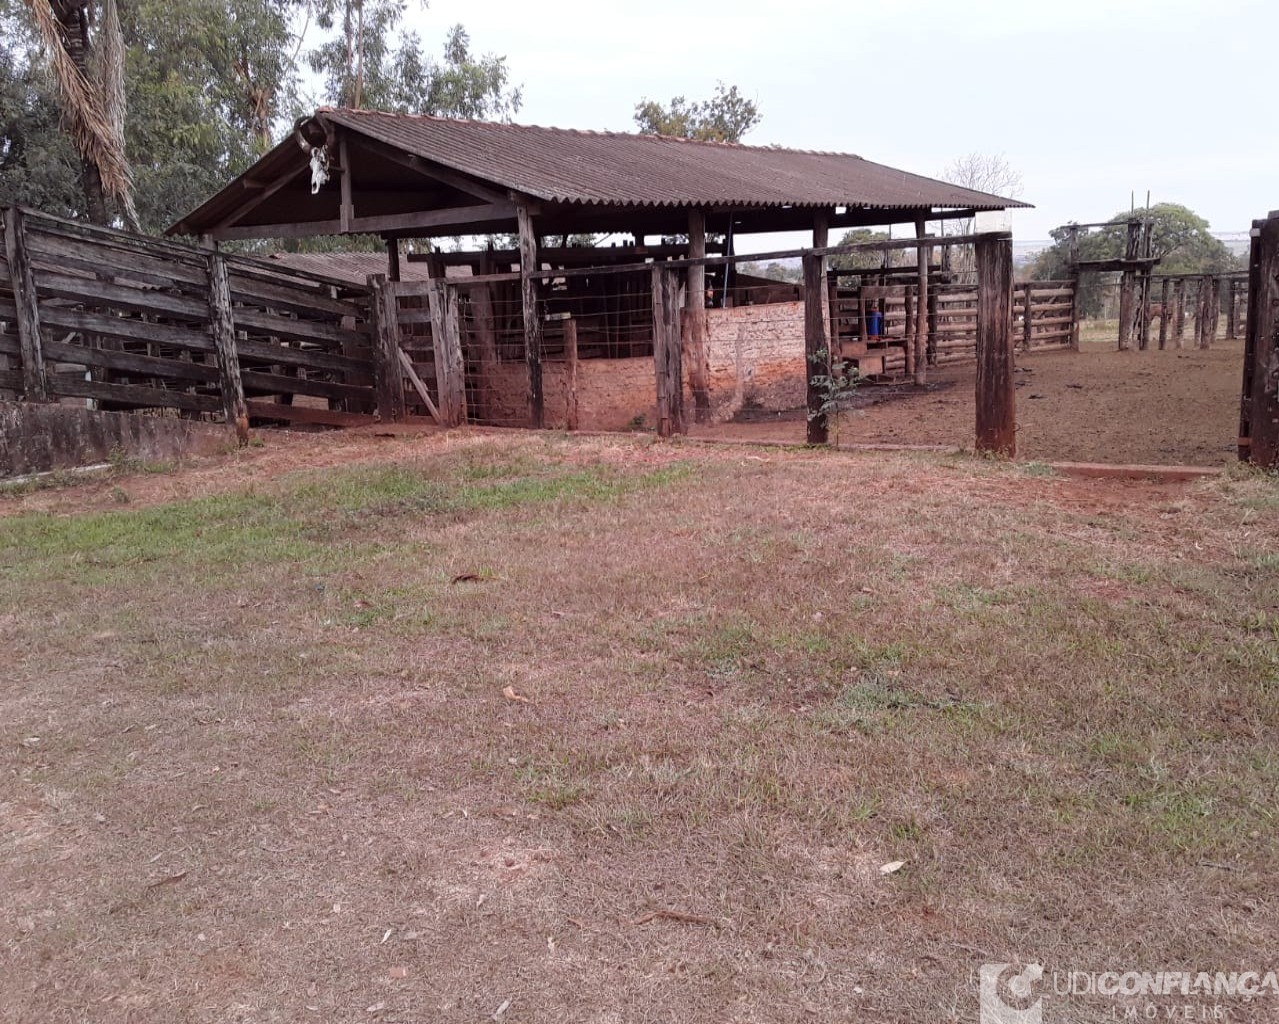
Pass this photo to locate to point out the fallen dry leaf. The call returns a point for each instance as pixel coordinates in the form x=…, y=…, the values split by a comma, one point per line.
x=891, y=866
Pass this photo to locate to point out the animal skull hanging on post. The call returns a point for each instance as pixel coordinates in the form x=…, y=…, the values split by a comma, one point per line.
x=314, y=138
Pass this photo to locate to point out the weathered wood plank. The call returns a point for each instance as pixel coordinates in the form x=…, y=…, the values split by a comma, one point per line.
x=816, y=352
x=667, y=352
x=695, y=323
x=529, y=289
x=324, y=334
x=222, y=328
x=996, y=397
x=160, y=269
x=1259, y=421
x=73, y=386
x=120, y=296
x=306, y=414
x=294, y=296
x=450, y=370
x=388, y=380
x=131, y=362
x=27, y=308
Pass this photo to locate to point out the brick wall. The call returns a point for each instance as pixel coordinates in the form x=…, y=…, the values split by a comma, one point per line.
x=612, y=394
x=756, y=357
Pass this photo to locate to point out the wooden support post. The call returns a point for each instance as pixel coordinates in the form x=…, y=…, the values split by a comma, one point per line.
x=924, y=255
x=1128, y=315
x=1026, y=319
x=817, y=351
x=222, y=321
x=35, y=381
x=346, y=208
x=666, y=352
x=1208, y=310
x=1232, y=309
x=450, y=367
x=1143, y=310
x=570, y=365
x=695, y=324
x=1179, y=311
x=996, y=398
x=1074, y=295
x=1259, y=411
x=1163, y=314
x=393, y=259
x=388, y=379
x=529, y=287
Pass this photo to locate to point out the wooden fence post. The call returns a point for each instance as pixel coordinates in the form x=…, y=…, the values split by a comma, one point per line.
x=222, y=320
x=570, y=366
x=666, y=352
x=35, y=381
x=1026, y=320
x=924, y=256
x=1206, y=315
x=1074, y=294
x=1163, y=314
x=1144, y=339
x=450, y=366
x=695, y=326
x=388, y=378
x=817, y=354
x=529, y=289
x=996, y=398
x=1259, y=408
x=1179, y=313
x=1232, y=308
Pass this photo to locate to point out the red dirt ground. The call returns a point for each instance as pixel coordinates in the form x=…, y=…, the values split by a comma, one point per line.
x=1176, y=407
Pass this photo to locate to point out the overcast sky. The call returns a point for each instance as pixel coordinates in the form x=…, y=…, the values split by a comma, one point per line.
x=1089, y=99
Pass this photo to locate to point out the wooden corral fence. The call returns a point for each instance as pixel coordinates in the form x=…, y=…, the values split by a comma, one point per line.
x=872, y=323
x=129, y=323
x=1259, y=406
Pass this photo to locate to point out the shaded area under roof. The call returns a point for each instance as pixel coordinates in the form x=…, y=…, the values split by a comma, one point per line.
x=462, y=177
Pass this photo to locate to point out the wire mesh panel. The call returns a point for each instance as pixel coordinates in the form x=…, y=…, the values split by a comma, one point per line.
x=495, y=363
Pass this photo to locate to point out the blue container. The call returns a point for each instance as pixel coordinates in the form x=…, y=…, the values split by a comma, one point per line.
x=874, y=323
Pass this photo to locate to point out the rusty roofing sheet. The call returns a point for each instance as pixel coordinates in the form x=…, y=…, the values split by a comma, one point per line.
x=616, y=168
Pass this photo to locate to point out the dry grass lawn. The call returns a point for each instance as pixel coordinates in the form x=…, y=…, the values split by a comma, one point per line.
x=533, y=728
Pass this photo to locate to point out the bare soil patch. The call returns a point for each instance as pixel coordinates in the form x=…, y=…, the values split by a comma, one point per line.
x=540, y=728
x=1175, y=407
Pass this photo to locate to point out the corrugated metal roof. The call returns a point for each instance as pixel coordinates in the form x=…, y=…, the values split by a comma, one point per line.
x=621, y=169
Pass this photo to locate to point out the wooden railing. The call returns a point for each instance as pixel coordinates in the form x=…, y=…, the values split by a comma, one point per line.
x=1043, y=318
x=130, y=322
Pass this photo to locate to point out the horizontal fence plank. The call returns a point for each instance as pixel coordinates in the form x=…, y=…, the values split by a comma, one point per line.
x=299, y=330
x=84, y=289
x=132, y=394
x=308, y=358
x=154, y=269
x=307, y=414
x=286, y=294
x=131, y=362
x=127, y=328
x=278, y=383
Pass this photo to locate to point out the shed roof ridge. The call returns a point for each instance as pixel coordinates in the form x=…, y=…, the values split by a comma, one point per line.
x=587, y=132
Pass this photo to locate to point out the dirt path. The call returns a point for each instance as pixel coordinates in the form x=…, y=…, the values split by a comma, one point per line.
x=1098, y=405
